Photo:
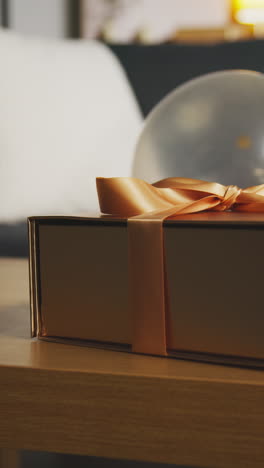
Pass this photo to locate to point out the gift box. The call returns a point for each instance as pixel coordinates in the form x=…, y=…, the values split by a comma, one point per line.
x=186, y=285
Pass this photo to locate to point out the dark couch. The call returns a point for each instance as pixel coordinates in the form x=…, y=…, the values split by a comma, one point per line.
x=153, y=72
x=13, y=240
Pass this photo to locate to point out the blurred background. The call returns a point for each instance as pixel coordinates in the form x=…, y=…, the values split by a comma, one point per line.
x=124, y=25
x=73, y=71
x=137, y=21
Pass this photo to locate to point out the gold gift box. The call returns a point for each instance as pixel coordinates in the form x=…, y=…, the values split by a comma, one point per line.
x=214, y=268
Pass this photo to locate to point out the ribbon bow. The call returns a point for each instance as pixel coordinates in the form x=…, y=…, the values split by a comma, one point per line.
x=146, y=206
x=127, y=196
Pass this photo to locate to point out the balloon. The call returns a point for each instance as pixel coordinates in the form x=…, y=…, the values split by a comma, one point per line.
x=210, y=128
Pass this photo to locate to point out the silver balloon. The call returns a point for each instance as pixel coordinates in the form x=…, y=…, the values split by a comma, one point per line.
x=210, y=128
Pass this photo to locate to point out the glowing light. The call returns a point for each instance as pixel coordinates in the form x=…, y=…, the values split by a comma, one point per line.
x=248, y=11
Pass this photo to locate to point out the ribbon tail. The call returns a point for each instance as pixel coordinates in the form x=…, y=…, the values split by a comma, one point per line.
x=147, y=284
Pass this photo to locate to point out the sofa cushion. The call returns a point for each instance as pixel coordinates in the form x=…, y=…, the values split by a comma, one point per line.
x=67, y=115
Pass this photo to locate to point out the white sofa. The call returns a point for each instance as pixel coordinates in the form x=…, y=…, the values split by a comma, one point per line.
x=67, y=115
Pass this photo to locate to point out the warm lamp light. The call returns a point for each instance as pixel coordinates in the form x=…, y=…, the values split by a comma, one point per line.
x=248, y=11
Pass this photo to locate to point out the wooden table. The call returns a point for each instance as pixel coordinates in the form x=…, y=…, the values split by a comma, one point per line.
x=61, y=398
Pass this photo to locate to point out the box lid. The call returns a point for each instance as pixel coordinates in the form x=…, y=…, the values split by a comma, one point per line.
x=206, y=217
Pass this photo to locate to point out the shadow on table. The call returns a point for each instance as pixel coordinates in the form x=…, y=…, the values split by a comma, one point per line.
x=51, y=460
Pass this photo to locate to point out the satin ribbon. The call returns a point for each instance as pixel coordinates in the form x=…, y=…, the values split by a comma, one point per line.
x=146, y=206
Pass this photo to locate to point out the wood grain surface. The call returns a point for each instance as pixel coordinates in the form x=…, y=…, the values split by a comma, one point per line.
x=71, y=399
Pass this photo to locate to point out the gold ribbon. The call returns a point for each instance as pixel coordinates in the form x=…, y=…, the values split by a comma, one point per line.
x=146, y=206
